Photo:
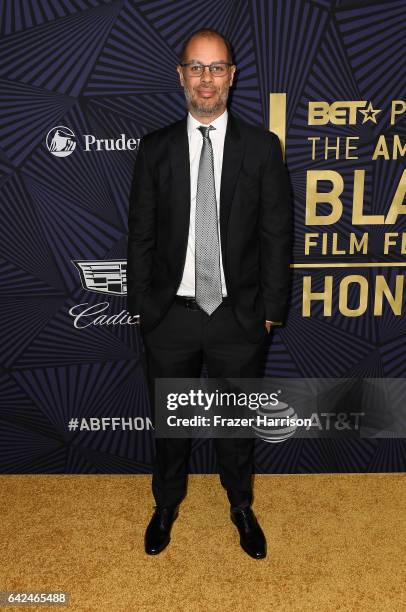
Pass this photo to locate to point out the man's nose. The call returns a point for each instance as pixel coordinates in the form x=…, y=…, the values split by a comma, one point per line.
x=206, y=74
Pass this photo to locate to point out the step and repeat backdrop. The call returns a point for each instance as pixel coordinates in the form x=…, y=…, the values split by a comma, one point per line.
x=80, y=84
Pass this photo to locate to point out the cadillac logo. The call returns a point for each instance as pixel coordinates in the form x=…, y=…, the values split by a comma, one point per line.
x=103, y=276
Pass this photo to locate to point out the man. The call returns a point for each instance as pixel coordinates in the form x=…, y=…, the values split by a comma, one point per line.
x=208, y=266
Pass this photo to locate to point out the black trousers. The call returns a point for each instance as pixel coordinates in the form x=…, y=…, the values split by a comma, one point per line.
x=177, y=347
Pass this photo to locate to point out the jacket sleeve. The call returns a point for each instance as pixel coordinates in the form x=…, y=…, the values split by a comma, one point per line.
x=275, y=233
x=141, y=232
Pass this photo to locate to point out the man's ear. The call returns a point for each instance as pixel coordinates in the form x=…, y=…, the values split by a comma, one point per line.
x=233, y=69
x=179, y=69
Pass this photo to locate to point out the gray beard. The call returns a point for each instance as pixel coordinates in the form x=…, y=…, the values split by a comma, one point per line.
x=205, y=110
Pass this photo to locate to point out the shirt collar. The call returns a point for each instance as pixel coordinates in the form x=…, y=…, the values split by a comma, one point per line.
x=220, y=123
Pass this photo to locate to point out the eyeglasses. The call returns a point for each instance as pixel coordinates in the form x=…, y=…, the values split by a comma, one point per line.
x=217, y=69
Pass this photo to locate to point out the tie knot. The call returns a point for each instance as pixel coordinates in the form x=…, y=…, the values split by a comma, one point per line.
x=205, y=130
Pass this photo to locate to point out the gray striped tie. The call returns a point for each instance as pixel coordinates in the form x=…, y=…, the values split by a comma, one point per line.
x=207, y=247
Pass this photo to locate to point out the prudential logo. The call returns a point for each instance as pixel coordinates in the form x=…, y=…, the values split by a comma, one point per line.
x=61, y=141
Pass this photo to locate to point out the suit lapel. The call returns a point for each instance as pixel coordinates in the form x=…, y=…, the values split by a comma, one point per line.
x=232, y=158
x=180, y=164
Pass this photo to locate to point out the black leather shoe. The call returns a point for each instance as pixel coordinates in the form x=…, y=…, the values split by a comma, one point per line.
x=158, y=533
x=252, y=537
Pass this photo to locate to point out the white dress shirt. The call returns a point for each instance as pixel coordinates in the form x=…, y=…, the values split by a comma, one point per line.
x=195, y=137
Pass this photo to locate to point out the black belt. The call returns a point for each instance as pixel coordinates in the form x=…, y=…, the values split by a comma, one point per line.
x=190, y=302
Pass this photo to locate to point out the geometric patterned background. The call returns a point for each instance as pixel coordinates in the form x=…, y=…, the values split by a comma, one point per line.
x=107, y=68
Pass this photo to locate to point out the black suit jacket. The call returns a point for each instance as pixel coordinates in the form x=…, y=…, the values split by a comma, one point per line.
x=255, y=224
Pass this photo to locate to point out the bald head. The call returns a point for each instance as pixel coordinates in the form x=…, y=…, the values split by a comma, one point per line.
x=204, y=34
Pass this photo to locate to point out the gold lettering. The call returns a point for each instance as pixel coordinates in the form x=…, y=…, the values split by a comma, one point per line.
x=331, y=198
x=353, y=279
x=398, y=108
x=309, y=296
x=397, y=207
x=382, y=288
x=358, y=201
x=381, y=148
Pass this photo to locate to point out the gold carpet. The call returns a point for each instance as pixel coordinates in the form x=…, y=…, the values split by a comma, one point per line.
x=335, y=542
